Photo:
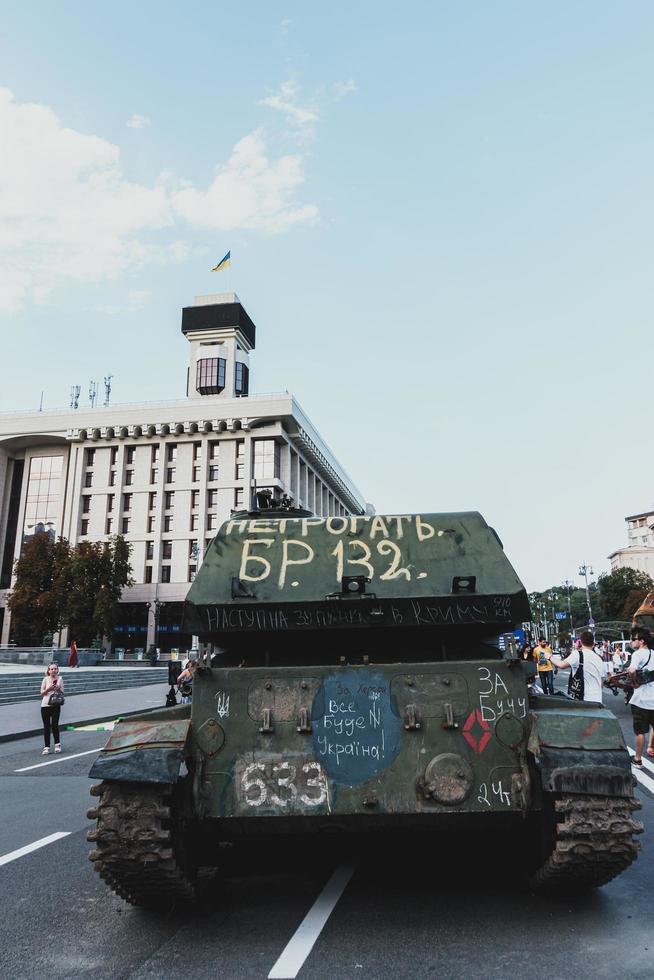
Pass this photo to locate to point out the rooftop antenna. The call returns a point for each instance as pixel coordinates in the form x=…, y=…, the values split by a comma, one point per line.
x=107, y=389
x=74, y=396
x=93, y=393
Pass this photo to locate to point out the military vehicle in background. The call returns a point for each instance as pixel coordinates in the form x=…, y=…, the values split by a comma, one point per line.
x=644, y=615
x=363, y=677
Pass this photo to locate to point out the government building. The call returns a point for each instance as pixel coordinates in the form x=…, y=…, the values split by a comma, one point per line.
x=164, y=474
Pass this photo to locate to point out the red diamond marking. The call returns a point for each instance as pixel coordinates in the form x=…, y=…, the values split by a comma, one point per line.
x=477, y=744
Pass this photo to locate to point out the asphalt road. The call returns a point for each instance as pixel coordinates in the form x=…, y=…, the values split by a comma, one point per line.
x=386, y=908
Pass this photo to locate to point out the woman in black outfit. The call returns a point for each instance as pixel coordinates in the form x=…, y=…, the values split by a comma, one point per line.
x=50, y=712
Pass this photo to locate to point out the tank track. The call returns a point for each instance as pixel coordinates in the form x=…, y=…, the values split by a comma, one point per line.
x=138, y=854
x=593, y=843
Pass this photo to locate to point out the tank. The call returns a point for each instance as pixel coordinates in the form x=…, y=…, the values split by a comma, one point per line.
x=361, y=675
x=644, y=615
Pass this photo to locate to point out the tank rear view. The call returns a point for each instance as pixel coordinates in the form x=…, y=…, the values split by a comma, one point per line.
x=363, y=676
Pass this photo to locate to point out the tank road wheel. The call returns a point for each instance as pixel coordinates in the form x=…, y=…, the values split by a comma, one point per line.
x=590, y=842
x=139, y=847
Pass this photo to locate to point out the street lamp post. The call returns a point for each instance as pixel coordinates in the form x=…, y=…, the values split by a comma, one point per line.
x=155, y=607
x=552, y=597
x=585, y=571
x=568, y=586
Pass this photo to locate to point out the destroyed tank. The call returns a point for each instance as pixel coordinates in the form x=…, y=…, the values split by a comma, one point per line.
x=361, y=675
x=644, y=615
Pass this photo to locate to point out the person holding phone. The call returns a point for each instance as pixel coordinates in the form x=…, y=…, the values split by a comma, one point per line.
x=50, y=684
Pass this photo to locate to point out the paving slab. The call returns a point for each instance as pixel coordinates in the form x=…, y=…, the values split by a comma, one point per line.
x=23, y=720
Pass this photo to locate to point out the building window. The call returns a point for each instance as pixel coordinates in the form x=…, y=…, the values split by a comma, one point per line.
x=165, y=573
x=151, y=523
x=155, y=455
x=149, y=550
x=194, y=522
x=214, y=450
x=110, y=502
x=195, y=499
x=266, y=459
x=152, y=501
x=167, y=550
x=154, y=473
x=168, y=522
x=238, y=499
x=88, y=479
x=212, y=522
x=86, y=504
x=129, y=455
x=212, y=498
x=213, y=474
x=196, y=474
x=114, y=455
x=112, y=478
x=108, y=526
x=192, y=569
x=129, y=477
x=210, y=375
x=90, y=457
x=148, y=574
x=169, y=499
x=43, y=489
x=84, y=528
x=127, y=501
x=170, y=474
x=193, y=550
x=240, y=459
x=241, y=378
x=197, y=451
x=171, y=452
x=127, y=523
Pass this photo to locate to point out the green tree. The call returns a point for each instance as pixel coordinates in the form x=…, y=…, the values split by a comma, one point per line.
x=622, y=591
x=98, y=573
x=578, y=606
x=38, y=599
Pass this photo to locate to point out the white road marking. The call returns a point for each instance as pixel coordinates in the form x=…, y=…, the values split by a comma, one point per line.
x=642, y=777
x=303, y=940
x=646, y=761
x=60, y=758
x=6, y=858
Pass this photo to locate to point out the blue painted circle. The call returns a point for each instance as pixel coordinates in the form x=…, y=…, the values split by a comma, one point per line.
x=356, y=726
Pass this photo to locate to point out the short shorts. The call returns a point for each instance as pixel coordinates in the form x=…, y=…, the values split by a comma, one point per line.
x=643, y=719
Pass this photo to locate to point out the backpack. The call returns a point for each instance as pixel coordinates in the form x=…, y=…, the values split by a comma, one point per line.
x=576, y=682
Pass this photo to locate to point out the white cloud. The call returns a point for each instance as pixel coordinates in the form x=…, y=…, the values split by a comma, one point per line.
x=137, y=121
x=341, y=89
x=250, y=191
x=136, y=299
x=285, y=101
x=69, y=214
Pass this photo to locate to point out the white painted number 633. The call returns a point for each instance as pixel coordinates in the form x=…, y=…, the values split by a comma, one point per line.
x=257, y=792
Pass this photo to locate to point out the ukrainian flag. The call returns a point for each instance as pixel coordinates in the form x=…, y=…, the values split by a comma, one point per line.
x=224, y=263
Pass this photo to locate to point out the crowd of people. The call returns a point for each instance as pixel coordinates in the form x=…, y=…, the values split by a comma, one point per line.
x=593, y=664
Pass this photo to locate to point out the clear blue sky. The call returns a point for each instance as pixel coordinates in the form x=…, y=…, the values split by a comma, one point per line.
x=440, y=217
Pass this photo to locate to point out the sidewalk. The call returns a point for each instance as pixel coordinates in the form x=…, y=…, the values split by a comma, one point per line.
x=23, y=720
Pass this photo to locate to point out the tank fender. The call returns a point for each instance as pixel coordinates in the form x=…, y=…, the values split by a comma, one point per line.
x=146, y=748
x=579, y=747
x=588, y=773
x=574, y=725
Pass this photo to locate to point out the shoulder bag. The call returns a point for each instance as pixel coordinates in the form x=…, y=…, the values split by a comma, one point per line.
x=56, y=699
x=576, y=682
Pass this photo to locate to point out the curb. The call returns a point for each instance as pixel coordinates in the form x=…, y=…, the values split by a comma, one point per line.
x=16, y=736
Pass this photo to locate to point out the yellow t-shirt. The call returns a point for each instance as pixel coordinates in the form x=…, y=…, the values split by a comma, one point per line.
x=539, y=657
